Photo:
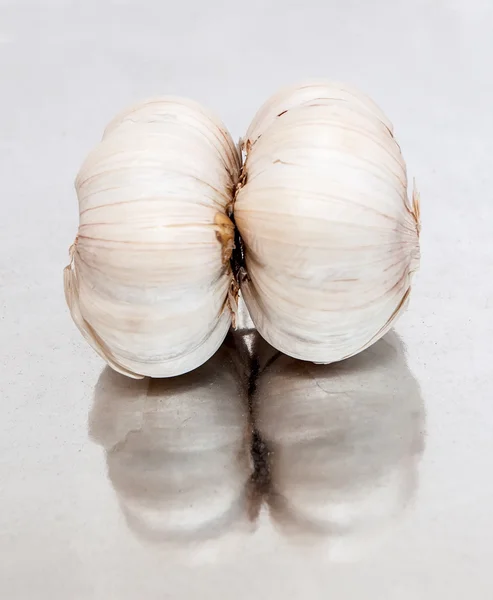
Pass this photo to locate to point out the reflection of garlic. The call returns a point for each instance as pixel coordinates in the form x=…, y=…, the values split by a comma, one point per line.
x=344, y=443
x=149, y=284
x=330, y=239
x=177, y=452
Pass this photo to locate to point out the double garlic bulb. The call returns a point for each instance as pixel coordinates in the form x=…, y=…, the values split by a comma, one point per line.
x=327, y=241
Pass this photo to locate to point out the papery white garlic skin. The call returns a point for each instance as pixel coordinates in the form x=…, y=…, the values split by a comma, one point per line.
x=149, y=282
x=330, y=238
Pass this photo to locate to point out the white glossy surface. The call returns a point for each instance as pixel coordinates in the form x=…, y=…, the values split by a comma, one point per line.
x=66, y=68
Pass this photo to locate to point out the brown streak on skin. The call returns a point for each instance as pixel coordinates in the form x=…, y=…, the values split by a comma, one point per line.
x=224, y=235
x=278, y=161
x=91, y=178
x=73, y=248
x=138, y=200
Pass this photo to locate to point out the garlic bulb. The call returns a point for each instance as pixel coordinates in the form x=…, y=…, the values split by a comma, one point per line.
x=330, y=239
x=344, y=443
x=178, y=453
x=149, y=284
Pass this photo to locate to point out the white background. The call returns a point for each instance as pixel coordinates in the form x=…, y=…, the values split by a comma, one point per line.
x=66, y=68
